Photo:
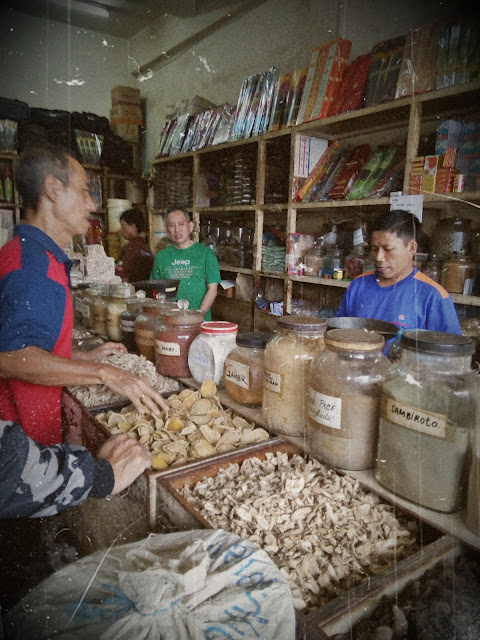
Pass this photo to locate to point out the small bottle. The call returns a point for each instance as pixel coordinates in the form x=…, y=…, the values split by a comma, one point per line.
x=127, y=323
x=8, y=183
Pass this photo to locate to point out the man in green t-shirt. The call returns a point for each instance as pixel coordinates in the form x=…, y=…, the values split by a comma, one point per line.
x=195, y=264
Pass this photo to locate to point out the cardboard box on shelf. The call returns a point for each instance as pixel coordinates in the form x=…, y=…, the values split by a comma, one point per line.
x=129, y=132
x=126, y=113
x=129, y=95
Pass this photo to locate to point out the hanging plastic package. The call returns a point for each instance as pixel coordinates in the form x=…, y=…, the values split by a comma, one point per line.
x=201, y=584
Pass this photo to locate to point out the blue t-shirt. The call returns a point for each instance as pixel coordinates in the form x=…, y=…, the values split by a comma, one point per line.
x=416, y=302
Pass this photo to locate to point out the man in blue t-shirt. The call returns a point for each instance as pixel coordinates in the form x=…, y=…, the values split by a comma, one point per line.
x=396, y=291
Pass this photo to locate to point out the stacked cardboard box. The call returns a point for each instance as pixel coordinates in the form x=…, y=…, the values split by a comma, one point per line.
x=433, y=173
x=126, y=113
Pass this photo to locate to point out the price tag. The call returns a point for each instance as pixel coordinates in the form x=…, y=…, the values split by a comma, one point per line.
x=412, y=204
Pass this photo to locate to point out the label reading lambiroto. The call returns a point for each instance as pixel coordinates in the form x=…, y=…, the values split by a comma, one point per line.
x=167, y=348
x=272, y=381
x=432, y=424
x=326, y=410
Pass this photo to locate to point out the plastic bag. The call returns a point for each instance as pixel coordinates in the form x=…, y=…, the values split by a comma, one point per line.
x=207, y=584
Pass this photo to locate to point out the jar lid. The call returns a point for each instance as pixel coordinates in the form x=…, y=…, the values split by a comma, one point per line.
x=355, y=339
x=253, y=339
x=219, y=327
x=302, y=323
x=438, y=342
x=184, y=317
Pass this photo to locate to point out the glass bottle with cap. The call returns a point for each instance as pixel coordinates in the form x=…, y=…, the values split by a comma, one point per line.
x=288, y=357
x=98, y=311
x=344, y=398
x=207, y=353
x=174, y=336
x=243, y=370
x=92, y=291
x=127, y=322
x=427, y=413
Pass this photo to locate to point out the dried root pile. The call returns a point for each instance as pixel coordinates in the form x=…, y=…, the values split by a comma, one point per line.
x=98, y=395
x=195, y=426
x=324, y=532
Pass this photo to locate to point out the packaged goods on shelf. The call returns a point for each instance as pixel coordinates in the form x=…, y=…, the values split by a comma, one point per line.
x=458, y=54
x=418, y=69
x=318, y=171
x=254, y=105
x=308, y=151
x=349, y=171
x=352, y=85
x=373, y=171
x=288, y=95
x=384, y=70
x=327, y=64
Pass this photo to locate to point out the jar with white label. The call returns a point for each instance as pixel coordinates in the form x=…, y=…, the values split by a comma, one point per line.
x=116, y=306
x=146, y=324
x=427, y=413
x=243, y=371
x=207, y=353
x=288, y=356
x=127, y=322
x=344, y=398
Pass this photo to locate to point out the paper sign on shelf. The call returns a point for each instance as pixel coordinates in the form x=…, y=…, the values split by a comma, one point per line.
x=412, y=204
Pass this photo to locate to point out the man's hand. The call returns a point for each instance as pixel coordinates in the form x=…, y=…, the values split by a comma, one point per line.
x=128, y=458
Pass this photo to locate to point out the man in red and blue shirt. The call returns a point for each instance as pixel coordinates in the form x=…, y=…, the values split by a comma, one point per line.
x=36, y=316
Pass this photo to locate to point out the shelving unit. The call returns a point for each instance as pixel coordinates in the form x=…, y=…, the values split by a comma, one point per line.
x=410, y=121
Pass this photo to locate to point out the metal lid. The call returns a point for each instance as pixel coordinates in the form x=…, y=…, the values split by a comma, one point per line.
x=302, y=323
x=354, y=339
x=219, y=327
x=253, y=339
x=370, y=324
x=437, y=342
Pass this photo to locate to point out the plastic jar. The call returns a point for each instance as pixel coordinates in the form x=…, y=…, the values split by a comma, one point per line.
x=173, y=339
x=426, y=415
x=243, y=370
x=288, y=356
x=116, y=306
x=146, y=324
x=344, y=398
x=457, y=273
x=127, y=322
x=209, y=349
x=451, y=235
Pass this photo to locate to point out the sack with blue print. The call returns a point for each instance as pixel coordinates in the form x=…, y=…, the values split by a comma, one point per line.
x=202, y=584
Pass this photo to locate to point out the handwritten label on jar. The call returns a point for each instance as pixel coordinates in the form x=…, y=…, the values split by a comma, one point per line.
x=237, y=373
x=325, y=410
x=145, y=338
x=167, y=348
x=201, y=359
x=432, y=424
x=272, y=381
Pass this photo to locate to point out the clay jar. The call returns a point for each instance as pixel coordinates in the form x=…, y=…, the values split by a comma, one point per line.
x=173, y=339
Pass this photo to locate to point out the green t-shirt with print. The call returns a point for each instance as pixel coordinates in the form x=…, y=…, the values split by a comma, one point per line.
x=196, y=267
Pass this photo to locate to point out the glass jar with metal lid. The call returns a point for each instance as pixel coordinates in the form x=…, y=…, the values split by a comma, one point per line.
x=92, y=291
x=207, y=353
x=427, y=413
x=117, y=304
x=173, y=339
x=288, y=356
x=344, y=398
x=146, y=325
x=243, y=370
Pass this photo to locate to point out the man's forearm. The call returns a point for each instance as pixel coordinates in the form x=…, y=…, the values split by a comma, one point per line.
x=208, y=299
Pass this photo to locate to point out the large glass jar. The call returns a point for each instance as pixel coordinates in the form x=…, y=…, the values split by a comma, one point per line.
x=457, y=274
x=427, y=412
x=127, y=322
x=98, y=312
x=146, y=324
x=288, y=356
x=243, y=371
x=344, y=398
x=116, y=306
x=173, y=339
x=473, y=495
x=209, y=349
x=87, y=304
x=451, y=235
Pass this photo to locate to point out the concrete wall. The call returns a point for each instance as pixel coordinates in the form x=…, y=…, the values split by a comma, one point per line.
x=52, y=65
